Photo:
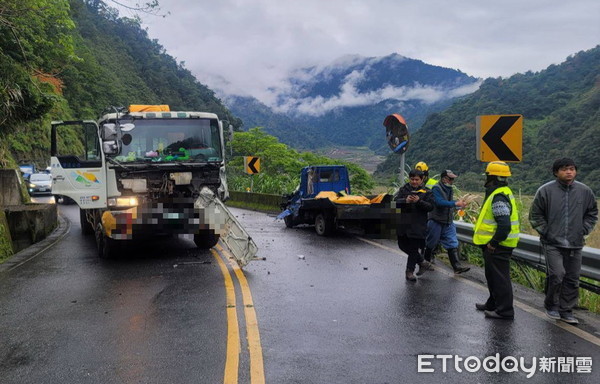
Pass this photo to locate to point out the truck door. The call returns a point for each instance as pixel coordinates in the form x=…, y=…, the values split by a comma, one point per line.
x=81, y=175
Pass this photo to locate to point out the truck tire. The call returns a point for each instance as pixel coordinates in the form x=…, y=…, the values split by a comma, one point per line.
x=324, y=225
x=206, y=240
x=289, y=221
x=106, y=246
x=86, y=227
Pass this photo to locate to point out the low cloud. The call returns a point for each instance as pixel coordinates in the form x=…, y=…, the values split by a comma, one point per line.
x=350, y=96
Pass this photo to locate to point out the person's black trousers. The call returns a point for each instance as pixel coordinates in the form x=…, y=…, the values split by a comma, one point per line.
x=497, y=274
x=412, y=247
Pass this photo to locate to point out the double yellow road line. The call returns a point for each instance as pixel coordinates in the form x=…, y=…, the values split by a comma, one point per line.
x=257, y=373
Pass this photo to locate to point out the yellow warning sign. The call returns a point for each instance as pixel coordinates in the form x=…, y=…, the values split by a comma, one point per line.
x=251, y=164
x=500, y=138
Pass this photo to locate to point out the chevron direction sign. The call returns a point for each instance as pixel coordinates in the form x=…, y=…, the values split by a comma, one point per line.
x=251, y=164
x=500, y=138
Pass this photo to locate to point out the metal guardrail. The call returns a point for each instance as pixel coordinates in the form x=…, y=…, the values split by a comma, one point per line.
x=529, y=250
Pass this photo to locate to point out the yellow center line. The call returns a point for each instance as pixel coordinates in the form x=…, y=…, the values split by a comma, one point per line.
x=233, y=334
x=257, y=371
x=527, y=308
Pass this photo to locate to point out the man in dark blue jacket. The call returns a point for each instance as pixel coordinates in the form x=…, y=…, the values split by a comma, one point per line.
x=564, y=212
x=440, y=227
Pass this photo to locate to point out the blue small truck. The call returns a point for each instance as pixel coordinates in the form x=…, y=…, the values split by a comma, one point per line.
x=302, y=206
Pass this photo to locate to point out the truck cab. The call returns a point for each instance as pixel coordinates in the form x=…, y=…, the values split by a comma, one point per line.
x=315, y=179
x=142, y=172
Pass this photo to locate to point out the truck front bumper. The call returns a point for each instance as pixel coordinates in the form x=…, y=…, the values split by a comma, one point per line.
x=152, y=220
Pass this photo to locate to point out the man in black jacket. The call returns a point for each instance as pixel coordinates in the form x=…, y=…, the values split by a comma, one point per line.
x=414, y=201
x=564, y=212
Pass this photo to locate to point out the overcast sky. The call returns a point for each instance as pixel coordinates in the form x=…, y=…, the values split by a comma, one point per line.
x=249, y=46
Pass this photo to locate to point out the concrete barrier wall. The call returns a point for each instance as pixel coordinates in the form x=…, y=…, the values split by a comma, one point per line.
x=257, y=201
x=30, y=223
x=10, y=187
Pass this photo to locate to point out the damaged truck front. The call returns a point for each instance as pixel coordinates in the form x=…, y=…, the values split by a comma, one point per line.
x=148, y=171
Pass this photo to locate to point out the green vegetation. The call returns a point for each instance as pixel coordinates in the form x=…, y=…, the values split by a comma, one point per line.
x=561, y=110
x=280, y=165
x=5, y=241
x=94, y=60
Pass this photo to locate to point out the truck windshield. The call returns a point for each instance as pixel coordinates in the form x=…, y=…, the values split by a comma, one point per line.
x=168, y=140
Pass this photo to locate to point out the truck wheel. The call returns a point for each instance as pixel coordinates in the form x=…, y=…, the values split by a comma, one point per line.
x=289, y=221
x=106, y=245
x=86, y=227
x=324, y=226
x=206, y=240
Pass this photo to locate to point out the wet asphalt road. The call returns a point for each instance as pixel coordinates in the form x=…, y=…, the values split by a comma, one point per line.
x=329, y=310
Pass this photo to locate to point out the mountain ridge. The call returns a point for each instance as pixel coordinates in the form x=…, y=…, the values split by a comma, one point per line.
x=561, y=110
x=355, y=93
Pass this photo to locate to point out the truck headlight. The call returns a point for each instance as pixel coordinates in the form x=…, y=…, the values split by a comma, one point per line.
x=122, y=202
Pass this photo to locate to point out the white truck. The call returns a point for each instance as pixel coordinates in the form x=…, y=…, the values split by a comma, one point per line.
x=147, y=171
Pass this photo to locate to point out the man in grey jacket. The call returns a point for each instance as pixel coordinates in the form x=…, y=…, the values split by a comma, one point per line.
x=564, y=212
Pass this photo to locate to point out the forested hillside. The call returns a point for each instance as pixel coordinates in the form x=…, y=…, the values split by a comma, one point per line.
x=62, y=59
x=561, y=110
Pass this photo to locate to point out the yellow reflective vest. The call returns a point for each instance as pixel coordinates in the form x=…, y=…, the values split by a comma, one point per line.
x=430, y=183
x=486, y=225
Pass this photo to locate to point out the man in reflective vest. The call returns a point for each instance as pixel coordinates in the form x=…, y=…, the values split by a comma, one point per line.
x=497, y=232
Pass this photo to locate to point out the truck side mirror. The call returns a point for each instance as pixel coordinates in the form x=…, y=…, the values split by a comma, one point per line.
x=110, y=147
x=109, y=131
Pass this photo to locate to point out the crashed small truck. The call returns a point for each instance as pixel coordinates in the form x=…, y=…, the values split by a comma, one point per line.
x=324, y=199
x=147, y=171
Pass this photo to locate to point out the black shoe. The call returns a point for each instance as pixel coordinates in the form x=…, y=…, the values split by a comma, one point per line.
x=569, y=318
x=495, y=315
x=554, y=315
x=480, y=307
x=456, y=265
x=424, y=266
x=461, y=269
x=410, y=276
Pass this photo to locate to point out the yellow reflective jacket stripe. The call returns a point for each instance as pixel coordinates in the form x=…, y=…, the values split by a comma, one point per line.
x=486, y=225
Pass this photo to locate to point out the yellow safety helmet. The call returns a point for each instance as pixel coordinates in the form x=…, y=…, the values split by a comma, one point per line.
x=421, y=166
x=498, y=168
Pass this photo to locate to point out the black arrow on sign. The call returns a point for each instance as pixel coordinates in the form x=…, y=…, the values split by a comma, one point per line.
x=251, y=165
x=493, y=138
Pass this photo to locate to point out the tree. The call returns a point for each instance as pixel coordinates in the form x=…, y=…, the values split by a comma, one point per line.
x=281, y=165
x=29, y=60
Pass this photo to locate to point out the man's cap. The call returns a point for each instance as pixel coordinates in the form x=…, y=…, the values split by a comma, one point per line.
x=448, y=173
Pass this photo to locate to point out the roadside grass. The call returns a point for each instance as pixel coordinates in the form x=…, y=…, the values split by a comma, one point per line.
x=528, y=276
